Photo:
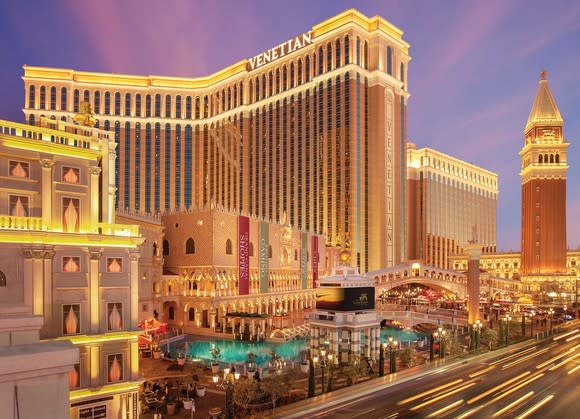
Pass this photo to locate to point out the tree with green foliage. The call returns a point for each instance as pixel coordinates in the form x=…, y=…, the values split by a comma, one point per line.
x=408, y=357
x=245, y=392
x=490, y=336
x=274, y=387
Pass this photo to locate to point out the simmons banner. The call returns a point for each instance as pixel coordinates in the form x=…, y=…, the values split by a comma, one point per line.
x=314, y=260
x=264, y=242
x=304, y=260
x=243, y=255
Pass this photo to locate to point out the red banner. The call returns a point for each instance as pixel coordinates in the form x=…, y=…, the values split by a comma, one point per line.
x=314, y=260
x=243, y=255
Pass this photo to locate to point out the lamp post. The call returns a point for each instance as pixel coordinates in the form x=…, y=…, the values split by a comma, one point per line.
x=507, y=319
x=532, y=314
x=551, y=313
x=325, y=360
x=441, y=334
x=477, y=331
x=431, y=349
x=382, y=359
x=523, y=324
x=392, y=355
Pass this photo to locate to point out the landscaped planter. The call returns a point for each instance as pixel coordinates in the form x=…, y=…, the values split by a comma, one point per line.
x=215, y=368
x=171, y=408
x=187, y=404
x=156, y=354
x=200, y=390
x=304, y=367
x=180, y=361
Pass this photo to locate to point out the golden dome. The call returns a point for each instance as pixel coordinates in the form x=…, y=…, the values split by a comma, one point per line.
x=344, y=256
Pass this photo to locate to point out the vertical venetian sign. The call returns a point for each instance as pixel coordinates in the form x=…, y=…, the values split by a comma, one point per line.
x=389, y=180
x=243, y=255
x=264, y=241
x=314, y=260
x=304, y=260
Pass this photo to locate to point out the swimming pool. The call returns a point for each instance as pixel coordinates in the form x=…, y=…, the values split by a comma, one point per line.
x=404, y=336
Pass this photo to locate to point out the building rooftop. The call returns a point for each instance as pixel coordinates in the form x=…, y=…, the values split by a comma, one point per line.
x=544, y=110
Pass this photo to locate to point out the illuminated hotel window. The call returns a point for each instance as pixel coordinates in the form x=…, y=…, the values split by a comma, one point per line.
x=178, y=106
x=197, y=107
x=31, y=96
x=337, y=53
x=107, y=126
x=147, y=168
x=157, y=165
x=389, y=61
x=70, y=174
x=117, y=103
x=157, y=105
x=284, y=78
x=167, y=165
x=223, y=94
x=42, y=97
x=292, y=75
x=167, y=106
x=53, y=98
x=148, y=106
x=71, y=319
x=307, y=157
x=270, y=163
x=138, y=105
x=107, y=103
x=115, y=265
x=71, y=264
x=307, y=68
x=205, y=106
x=277, y=81
x=97, y=98
x=115, y=368
x=18, y=169
x=86, y=96
x=187, y=107
x=114, y=316
x=188, y=168
x=357, y=50
x=320, y=61
x=127, y=104
x=76, y=100
x=241, y=93
x=178, y=166
x=264, y=86
x=366, y=55
x=137, y=167
x=117, y=158
x=63, y=99
x=190, y=246
x=299, y=72
x=70, y=215
x=235, y=104
x=74, y=377
x=18, y=205
x=270, y=84
x=228, y=247
x=229, y=98
x=328, y=56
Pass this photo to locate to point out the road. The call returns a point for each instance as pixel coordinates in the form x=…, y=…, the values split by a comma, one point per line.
x=539, y=381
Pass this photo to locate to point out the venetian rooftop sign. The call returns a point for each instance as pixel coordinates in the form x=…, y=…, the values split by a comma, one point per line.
x=280, y=50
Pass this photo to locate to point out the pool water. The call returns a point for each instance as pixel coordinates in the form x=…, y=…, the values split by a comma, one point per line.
x=236, y=352
x=403, y=336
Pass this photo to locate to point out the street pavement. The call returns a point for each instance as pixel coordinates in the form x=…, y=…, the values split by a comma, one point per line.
x=540, y=380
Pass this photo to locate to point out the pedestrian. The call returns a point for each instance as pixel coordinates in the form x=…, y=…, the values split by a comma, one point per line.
x=257, y=376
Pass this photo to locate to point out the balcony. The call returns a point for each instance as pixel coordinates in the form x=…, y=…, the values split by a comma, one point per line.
x=31, y=132
x=20, y=223
x=126, y=230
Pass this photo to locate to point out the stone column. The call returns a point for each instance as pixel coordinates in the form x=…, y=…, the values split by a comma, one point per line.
x=94, y=354
x=134, y=288
x=94, y=295
x=93, y=224
x=37, y=283
x=47, y=166
x=473, y=251
x=28, y=277
x=47, y=309
x=134, y=354
x=355, y=342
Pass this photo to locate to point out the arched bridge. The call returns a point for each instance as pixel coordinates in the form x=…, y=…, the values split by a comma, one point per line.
x=439, y=279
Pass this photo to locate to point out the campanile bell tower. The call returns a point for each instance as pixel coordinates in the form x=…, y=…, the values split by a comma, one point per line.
x=543, y=171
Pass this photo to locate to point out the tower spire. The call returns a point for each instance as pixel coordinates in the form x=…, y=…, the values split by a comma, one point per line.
x=544, y=109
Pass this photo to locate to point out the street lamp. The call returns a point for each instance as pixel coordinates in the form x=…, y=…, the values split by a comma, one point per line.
x=551, y=313
x=382, y=348
x=325, y=360
x=392, y=355
x=507, y=319
x=441, y=334
x=477, y=331
x=532, y=314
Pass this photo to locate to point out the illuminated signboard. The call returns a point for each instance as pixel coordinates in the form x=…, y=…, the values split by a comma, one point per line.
x=345, y=299
x=280, y=50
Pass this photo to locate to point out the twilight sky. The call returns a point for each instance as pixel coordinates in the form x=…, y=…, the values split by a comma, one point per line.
x=473, y=75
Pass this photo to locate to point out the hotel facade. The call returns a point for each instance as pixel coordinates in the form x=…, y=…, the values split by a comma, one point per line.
x=311, y=133
x=65, y=260
x=447, y=198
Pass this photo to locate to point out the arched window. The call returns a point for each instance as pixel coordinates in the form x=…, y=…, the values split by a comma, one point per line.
x=138, y=104
x=86, y=96
x=97, y=99
x=191, y=314
x=264, y=87
x=551, y=158
x=277, y=80
x=165, y=248
x=188, y=107
x=366, y=55
x=299, y=72
x=337, y=53
x=107, y=103
x=541, y=159
x=31, y=119
x=178, y=106
x=76, y=100
x=127, y=103
x=205, y=106
x=197, y=105
x=251, y=91
x=291, y=75
x=295, y=254
x=328, y=56
x=190, y=246
x=241, y=93
x=148, y=106
x=269, y=251
x=63, y=99
x=346, y=50
x=270, y=84
x=31, y=96
x=158, y=105
x=320, y=61
x=171, y=313
x=117, y=103
x=307, y=68
x=251, y=251
x=53, y=98
x=235, y=102
x=557, y=158
x=357, y=50
x=389, y=61
x=155, y=249
x=2, y=280
x=228, y=247
x=168, y=106
x=42, y=97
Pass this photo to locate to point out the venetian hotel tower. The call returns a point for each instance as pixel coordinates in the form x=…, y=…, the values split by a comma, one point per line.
x=310, y=133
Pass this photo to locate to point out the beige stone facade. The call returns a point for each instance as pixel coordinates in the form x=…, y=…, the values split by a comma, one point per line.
x=64, y=257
